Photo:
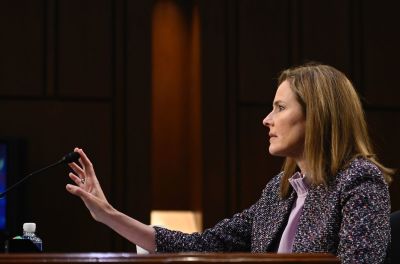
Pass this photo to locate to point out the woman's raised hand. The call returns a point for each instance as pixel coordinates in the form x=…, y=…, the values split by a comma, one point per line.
x=88, y=187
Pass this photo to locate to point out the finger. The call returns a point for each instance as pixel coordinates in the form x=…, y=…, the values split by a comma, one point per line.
x=85, y=196
x=78, y=191
x=84, y=160
x=76, y=179
x=75, y=167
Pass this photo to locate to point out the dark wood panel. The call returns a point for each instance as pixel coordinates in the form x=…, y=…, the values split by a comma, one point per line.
x=256, y=165
x=263, y=40
x=385, y=133
x=137, y=184
x=117, y=197
x=21, y=48
x=214, y=111
x=52, y=129
x=85, y=47
x=326, y=33
x=381, y=52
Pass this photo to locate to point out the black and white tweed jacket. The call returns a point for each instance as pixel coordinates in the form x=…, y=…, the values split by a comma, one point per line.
x=349, y=218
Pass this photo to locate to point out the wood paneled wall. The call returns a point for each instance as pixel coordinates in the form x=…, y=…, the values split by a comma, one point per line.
x=79, y=73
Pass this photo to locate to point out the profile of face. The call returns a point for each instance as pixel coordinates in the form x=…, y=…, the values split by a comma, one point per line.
x=286, y=123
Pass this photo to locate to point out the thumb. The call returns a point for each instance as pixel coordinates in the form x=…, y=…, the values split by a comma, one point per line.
x=77, y=191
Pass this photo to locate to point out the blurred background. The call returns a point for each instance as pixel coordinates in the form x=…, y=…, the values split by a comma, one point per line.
x=167, y=98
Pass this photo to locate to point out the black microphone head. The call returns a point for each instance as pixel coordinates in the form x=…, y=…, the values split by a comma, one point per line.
x=71, y=157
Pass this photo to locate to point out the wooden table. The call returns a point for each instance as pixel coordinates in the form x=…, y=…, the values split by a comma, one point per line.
x=193, y=258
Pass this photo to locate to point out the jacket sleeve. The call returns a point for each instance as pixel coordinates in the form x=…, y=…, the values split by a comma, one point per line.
x=229, y=235
x=365, y=228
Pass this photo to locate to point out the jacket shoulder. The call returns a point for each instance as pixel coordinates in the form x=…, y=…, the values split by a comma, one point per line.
x=360, y=168
x=360, y=171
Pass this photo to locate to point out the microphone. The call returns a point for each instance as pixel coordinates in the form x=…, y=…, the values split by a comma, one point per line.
x=69, y=158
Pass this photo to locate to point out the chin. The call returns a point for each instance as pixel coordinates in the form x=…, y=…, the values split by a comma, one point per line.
x=276, y=152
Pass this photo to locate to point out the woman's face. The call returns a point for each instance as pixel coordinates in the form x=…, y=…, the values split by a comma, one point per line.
x=286, y=124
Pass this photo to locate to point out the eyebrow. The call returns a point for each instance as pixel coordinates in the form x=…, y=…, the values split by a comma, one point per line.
x=276, y=103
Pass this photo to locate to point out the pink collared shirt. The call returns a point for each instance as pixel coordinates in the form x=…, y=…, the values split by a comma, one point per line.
x=300, y=186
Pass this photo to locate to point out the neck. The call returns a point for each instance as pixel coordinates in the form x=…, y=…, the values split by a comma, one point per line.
x=301, y=163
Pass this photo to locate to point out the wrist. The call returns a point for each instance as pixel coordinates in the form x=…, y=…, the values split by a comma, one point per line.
x=108, y=214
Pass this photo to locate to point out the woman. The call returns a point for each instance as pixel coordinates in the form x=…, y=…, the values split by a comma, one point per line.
x=331, y=196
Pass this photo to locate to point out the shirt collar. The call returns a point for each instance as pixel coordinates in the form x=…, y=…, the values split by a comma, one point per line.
x=299, y=184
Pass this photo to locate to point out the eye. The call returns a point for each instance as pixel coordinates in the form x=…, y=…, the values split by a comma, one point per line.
x=278, y=106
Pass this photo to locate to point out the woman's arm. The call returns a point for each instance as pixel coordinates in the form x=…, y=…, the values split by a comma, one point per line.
x=89, y=190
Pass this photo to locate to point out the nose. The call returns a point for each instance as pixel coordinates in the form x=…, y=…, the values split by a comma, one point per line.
x=267, y=121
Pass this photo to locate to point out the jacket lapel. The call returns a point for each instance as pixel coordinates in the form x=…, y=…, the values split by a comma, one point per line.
x=270, y=223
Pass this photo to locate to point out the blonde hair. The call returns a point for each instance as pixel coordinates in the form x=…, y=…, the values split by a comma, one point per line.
x=336, y=130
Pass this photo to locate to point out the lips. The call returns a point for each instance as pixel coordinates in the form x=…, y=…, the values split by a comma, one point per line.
x=271, y=137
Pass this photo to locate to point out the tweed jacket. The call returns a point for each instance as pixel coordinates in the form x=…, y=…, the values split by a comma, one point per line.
x=348, y=217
